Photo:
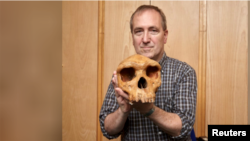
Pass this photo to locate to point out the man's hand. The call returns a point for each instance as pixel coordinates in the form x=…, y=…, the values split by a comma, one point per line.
x=143, y=108
x=122, y=99
x=121, y=96
x=114, y=122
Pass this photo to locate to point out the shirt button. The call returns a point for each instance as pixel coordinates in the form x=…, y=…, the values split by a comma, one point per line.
x=162, y=71
x=159, y=133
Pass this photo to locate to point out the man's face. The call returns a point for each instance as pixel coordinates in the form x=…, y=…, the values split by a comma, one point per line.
x=148, y=35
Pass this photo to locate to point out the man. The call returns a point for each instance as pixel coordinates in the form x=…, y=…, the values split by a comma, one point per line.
x=172, y=115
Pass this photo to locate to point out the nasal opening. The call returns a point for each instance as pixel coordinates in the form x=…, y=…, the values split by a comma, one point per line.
x=142, y=83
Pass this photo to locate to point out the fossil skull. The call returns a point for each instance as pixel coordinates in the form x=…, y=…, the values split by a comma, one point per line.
x=140, y=77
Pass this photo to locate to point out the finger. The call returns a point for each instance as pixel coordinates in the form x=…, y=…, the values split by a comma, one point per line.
x=122, y=101
x=117, y=92
x=114, y=73
x=114, y=80
x=121, y=93
x=114, y=83
x=115, y=76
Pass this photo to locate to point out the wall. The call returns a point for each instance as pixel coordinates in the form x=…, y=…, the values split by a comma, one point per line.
x=227, y=60
x=227, y=71
x=248, y=67
x=79, y=68
x=210, y=36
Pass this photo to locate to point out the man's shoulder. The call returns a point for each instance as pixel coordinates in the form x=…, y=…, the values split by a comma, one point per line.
x=177, y=65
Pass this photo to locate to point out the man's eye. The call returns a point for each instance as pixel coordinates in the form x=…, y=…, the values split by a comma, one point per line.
x=138, y=32
x=154, y=31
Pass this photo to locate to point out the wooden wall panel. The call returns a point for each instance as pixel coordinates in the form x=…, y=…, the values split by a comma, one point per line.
x=200, y=124
x=183, y=37
x=227, y=47
x=248, y=4
x=80, y=36
x=117, y=41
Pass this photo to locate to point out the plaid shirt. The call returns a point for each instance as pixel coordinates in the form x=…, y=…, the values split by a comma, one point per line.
x=177, y=94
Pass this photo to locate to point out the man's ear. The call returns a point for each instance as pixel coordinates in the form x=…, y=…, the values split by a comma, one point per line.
x=165, y=36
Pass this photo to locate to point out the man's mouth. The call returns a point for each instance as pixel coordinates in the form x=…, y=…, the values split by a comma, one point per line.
x=146, y=47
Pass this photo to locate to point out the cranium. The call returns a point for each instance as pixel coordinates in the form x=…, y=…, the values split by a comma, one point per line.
x=140, y=77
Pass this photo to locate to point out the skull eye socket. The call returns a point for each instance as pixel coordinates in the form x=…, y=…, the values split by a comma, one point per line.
x=152, y=72
x=127, y=74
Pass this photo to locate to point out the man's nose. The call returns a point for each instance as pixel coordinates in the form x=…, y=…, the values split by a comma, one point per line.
x=146, y=38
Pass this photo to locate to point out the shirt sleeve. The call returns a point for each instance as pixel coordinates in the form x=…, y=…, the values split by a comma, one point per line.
x=184, y=103
x=110, y=105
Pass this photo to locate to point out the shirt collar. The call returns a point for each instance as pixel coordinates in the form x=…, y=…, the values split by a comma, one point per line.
x=163, y=59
